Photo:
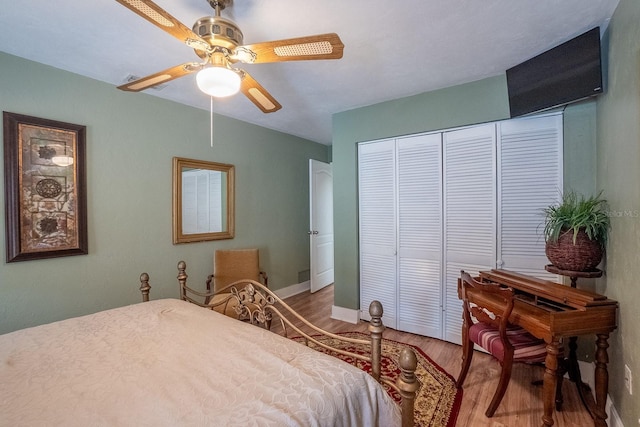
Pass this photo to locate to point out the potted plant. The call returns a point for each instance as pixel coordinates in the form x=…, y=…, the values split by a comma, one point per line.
x=576, y=232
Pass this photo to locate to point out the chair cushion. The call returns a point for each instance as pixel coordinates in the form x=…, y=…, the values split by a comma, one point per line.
x=527, y=348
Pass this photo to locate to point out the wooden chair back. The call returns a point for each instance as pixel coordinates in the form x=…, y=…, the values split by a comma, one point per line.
x=499, y=320
x=491, y=330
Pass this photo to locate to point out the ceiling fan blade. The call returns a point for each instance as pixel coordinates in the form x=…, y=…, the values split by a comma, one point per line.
x=161, y=77
x=321, y=46
x=258, y=95
x=163, y=20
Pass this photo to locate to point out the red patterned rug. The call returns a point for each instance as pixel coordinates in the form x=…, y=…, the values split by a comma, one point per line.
x=438, y=400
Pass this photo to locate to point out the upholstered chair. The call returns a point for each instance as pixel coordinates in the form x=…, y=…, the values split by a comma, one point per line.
x=231, y=265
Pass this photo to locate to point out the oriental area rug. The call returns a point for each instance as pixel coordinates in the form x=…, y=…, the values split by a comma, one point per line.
x=437, y=401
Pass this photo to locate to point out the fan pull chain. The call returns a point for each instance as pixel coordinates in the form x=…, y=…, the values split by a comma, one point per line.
x=211, y=122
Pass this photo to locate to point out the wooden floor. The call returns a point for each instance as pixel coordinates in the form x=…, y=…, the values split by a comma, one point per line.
x=522, y=404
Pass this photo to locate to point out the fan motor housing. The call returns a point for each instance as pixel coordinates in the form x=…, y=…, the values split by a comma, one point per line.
x=218, y=31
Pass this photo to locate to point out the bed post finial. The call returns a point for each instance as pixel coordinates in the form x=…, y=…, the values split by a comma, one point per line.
x=375, y=331
x=408, y=384
x=182, y=279
x=144, y=286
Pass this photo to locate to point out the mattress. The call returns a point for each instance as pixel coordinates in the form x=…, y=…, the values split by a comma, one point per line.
x=170, y=363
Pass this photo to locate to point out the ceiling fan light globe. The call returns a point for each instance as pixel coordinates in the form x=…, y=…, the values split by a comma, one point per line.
x=218, y=82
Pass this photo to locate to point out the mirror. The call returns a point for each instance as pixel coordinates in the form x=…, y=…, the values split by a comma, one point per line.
x=203, y=201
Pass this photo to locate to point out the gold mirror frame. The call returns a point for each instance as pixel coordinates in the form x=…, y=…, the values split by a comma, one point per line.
x=179, y=236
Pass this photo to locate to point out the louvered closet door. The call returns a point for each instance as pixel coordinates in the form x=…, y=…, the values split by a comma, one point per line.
x=420, y=234
x=529, y=179
x=377, y=227
x=469, y=212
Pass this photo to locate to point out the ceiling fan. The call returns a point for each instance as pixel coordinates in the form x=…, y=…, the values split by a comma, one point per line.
x=218, y=42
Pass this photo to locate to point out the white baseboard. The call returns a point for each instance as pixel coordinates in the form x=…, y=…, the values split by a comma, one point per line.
x=292, y=290
x=613, y=419
x=587, y=372
x=345, y=314
x=338, y=313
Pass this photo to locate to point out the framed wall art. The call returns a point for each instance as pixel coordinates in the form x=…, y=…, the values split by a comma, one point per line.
x=45, y=188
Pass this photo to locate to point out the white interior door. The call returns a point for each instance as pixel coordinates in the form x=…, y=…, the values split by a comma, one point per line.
x=321, y=224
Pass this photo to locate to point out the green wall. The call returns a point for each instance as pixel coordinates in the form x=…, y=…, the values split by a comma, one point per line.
x=618, y=173
x=580, y=148
x=131, y=139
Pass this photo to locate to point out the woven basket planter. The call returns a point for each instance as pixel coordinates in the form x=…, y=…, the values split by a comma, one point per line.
x=584, y=255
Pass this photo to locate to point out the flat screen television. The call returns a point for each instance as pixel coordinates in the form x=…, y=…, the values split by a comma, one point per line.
x=563, y=74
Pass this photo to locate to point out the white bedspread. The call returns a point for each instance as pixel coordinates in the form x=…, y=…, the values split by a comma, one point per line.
x=171, y=363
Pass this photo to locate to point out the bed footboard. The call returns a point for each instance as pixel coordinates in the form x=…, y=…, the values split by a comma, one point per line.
x=255, y=303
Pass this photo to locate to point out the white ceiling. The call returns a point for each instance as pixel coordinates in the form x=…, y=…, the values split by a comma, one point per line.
x=392, y=49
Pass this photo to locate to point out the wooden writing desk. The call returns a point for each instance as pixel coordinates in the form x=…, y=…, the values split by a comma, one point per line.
x=552, y=311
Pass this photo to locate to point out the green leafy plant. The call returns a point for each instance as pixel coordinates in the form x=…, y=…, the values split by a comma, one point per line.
x=577, y=212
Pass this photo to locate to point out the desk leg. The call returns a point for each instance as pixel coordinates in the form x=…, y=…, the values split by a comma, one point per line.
x=573, y=368
x=550, y=383
x=601, y=380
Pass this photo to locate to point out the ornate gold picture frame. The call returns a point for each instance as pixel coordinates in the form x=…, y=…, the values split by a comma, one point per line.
x=45, y=188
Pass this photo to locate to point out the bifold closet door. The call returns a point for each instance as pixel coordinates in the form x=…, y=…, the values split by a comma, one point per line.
x=529, y=179
x=469, y=197
x=378, y=228
x=419, y=176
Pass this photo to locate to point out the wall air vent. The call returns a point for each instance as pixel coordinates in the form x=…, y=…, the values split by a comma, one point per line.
x=132, y=77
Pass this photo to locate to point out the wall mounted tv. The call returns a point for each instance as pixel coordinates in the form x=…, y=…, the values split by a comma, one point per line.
x=563, y=74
